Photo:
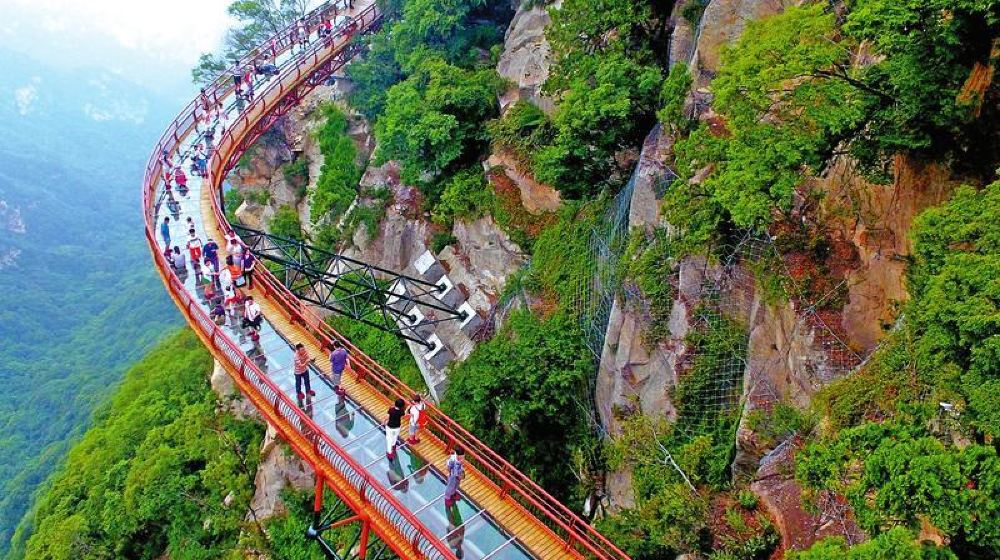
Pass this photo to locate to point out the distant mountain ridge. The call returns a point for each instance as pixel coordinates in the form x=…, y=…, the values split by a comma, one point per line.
x=78, y=301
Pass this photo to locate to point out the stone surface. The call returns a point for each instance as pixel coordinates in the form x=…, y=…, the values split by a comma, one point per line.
x=536, y=197
x=877, y=219
x=682, y=39
x=649, y=173
x=782, y=496
x=482, y=260
x=277, y=471
x=229, y=395
x=722, y=22
x=524, y=60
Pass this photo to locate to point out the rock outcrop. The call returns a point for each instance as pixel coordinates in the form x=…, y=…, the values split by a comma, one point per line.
x=279, y=470
x=783, y=499
x=537, y=198
x=721, y=23
x=475, y=268
x=525, y=57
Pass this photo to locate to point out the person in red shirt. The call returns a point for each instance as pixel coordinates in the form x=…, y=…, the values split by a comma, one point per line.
x=182, y=181
x=301, y=369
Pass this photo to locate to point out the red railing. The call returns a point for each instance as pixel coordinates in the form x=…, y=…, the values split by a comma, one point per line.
x=578, y=535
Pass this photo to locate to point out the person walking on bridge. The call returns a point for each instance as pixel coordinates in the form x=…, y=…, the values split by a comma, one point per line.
x=418, y=418
x=194, y=245
x=165, y=231
x=182, y=181
x=179, y=262
x=211, y=252
x=393, y=422
x=301, y=369
x=248, y=262
x=252, y=315
x=338, y=361
x=456, y=471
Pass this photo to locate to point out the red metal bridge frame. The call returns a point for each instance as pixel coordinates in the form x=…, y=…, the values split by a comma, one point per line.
x=377, y=510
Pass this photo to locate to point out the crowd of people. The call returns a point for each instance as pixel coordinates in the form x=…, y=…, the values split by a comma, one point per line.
x=223, y=276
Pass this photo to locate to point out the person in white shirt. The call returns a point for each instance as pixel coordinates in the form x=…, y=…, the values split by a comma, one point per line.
x=194, y=245
x=417, y=419
x=252, y=315
x=233, y=244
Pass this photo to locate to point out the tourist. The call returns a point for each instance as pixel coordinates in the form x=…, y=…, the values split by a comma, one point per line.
x=417, y=418
x=235, y=272
x=194, y=245
x=248, y=262
x=455, y=473
x=179, y=262
x=393, y=422
x=165, y=231
x=338, y=361
x=211, y=252
x=233, y=244
x=219, y=314
x=182, y=181
x=252, y=315
x=302, y=361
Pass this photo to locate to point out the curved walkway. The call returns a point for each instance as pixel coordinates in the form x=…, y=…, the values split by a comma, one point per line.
x=501, y=513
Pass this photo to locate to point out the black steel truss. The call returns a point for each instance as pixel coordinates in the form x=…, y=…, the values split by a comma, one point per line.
x=378, y=297
x=336, y=516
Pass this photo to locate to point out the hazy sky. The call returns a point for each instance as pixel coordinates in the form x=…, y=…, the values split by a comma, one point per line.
x=154, y=41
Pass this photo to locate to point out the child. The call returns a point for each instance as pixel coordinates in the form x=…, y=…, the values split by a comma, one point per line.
x=417, y=418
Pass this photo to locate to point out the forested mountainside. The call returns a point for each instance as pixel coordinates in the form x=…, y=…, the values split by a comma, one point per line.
x=166, y=468
x=78, y=302
x=736, y=263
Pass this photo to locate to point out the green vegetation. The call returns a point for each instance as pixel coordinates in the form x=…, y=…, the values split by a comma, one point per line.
x=433, y=120
x=790, y=92
x=895, y=544
x=909, y=469
x=256, y=21
x=163, y=470
x=649, y=263
x=80, y=301
x=465, y=197
x=523, y=393
x=286, y=223
x=607, y=82
x=387, y=349
x=296, y=173
x=670, y=518
x=338, y=179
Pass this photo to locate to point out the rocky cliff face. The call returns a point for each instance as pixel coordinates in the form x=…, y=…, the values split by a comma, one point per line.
x=791, y=351
x=524, y=60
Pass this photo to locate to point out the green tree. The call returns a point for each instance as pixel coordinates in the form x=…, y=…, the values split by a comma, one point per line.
x=164, y=470
x=598, y=115
x=926, y=50
x=466, y=196
x=337, y=184
x=285, y=223
x=434, y=119
x=896, y=544
x=787, y=98
x=523, y=393
x=256, y=21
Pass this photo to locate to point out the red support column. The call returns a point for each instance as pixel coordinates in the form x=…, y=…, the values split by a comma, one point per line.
x=363, y=548
x=318, y=500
